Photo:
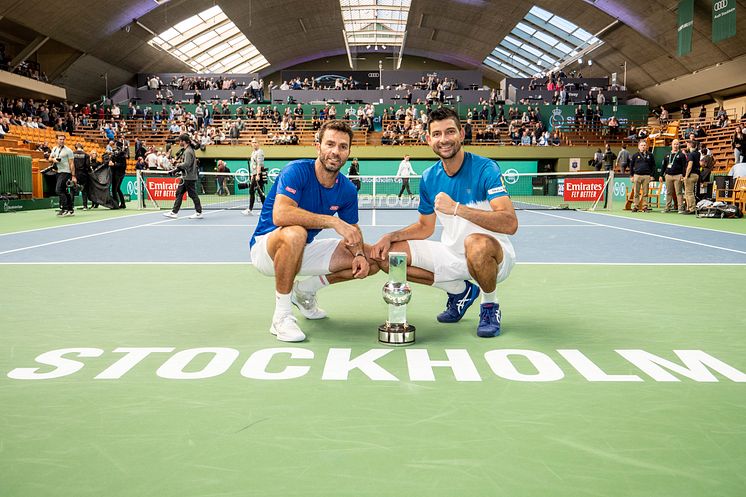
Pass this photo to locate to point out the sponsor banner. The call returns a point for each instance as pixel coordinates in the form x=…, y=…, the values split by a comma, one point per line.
x=686, y=26
x=162, y=188
x=723, y=19
x=583, y=190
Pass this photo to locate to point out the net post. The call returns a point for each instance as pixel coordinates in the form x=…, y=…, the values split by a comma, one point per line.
x=139, y=190
x=610, y=191
x=373, y=204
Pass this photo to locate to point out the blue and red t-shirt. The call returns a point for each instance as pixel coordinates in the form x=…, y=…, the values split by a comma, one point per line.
x=298, y=181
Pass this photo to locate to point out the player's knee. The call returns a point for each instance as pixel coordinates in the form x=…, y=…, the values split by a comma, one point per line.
x=294, y=236
x=480, y=247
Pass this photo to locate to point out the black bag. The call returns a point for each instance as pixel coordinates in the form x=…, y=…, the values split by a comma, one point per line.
x=723, y=211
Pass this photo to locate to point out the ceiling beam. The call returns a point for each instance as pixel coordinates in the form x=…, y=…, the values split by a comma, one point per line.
x=28, y=51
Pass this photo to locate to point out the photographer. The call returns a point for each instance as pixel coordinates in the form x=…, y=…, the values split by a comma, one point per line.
x=62, y=160
x=257, y=176
x=82, y=173
x=117, y=160
x=187, y=168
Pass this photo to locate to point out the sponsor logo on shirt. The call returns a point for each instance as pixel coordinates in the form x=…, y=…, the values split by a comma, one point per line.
x=334, y=208
x=499, y=189
x=291, y=190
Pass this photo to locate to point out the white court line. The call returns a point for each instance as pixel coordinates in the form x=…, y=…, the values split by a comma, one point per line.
x=195, y=225
x=91, y=235
x=77, y=224
x=662, y=222
x=249, y=263
x=649, y=234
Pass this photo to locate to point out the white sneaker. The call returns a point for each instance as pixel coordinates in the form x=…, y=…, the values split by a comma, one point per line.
x=247, y=212
x=171, y=215
x=286, y=329
x=68, y=213
x=196, y=215
x=306, y=303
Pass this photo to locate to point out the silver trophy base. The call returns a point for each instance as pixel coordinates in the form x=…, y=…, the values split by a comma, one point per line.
x=396, y=334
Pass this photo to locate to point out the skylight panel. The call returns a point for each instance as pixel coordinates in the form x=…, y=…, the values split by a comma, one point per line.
x=209, y=42
x=375, y=22
x=540, y=39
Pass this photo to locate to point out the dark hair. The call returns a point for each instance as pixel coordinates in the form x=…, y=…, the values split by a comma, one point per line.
x=184, y=137
x=336, y=126
x=442, y=114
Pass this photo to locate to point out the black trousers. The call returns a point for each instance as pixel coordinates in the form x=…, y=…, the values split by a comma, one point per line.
x=60, y=188
x=256, y=187
x=84, y=184
x=117, y=176
x=187, y=186
x=405, y=184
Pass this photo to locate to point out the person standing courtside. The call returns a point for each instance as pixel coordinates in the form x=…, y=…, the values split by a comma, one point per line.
x=308, y=196
x=354, y=173
x=466, y=193
x=404, y=172
x=189, y=169
x=64, y=161
x=83, y=173
x=642, y=169
x=118, y=163
x=691, y=176
x=672, y=170
x=256, y=180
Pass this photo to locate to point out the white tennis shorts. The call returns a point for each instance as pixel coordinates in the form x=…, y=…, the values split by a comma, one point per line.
x=448, y=265
x=316, y=256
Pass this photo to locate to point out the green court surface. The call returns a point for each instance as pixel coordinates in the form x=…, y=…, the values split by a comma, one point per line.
x=529, y=424
x=46, y=218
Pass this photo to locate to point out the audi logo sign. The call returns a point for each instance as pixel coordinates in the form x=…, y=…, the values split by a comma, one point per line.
x=720, y=5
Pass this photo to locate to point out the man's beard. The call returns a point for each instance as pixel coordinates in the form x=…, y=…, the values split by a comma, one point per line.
x=454, y=150
x=331, y=168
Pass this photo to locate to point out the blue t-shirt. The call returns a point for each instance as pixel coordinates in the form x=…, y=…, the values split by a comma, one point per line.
x=298, y=181
x=478, y=181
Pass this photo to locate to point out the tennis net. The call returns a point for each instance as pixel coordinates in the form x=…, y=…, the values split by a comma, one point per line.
x=528, y=191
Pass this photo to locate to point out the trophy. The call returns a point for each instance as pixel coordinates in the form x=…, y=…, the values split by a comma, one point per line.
x=396, y=293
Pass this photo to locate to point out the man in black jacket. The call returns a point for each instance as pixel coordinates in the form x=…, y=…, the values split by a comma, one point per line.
x=189, y=170
x=82, y=172
x=642, y=168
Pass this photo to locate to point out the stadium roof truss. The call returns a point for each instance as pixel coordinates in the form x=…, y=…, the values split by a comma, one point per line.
x=210, y=42
x=374, y=23
x=539, y=42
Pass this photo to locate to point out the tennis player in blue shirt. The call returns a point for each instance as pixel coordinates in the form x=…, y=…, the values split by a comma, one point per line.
x=466, y=193
x=309, y=196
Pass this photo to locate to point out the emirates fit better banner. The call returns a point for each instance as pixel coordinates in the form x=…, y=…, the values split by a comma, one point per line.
x=686, y=23
x=723, y=19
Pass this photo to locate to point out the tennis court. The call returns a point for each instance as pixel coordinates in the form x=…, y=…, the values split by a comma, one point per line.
x=136, y=360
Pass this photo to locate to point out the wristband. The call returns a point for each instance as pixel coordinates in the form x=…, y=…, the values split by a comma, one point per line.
x=455, y=209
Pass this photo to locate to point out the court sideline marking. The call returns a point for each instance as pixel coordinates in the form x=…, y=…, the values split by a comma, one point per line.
x=609, y=214
x=127, y=216
x=91, y=235
x=649, y=234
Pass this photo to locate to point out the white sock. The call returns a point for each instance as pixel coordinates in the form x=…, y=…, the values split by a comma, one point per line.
x=313, y=284
x=283, y=306
x=489, y=298
x=454, y=286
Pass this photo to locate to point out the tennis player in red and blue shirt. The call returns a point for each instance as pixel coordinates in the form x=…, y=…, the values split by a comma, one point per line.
x=309, y=196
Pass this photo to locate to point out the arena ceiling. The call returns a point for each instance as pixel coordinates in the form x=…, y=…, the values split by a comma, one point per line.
x=94, y=38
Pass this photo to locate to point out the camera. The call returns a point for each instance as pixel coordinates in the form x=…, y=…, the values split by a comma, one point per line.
x=49, y=170
x=73, y=187
x=177, y=172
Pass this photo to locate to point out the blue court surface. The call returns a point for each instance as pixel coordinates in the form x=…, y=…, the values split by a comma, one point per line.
x=222, y=237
